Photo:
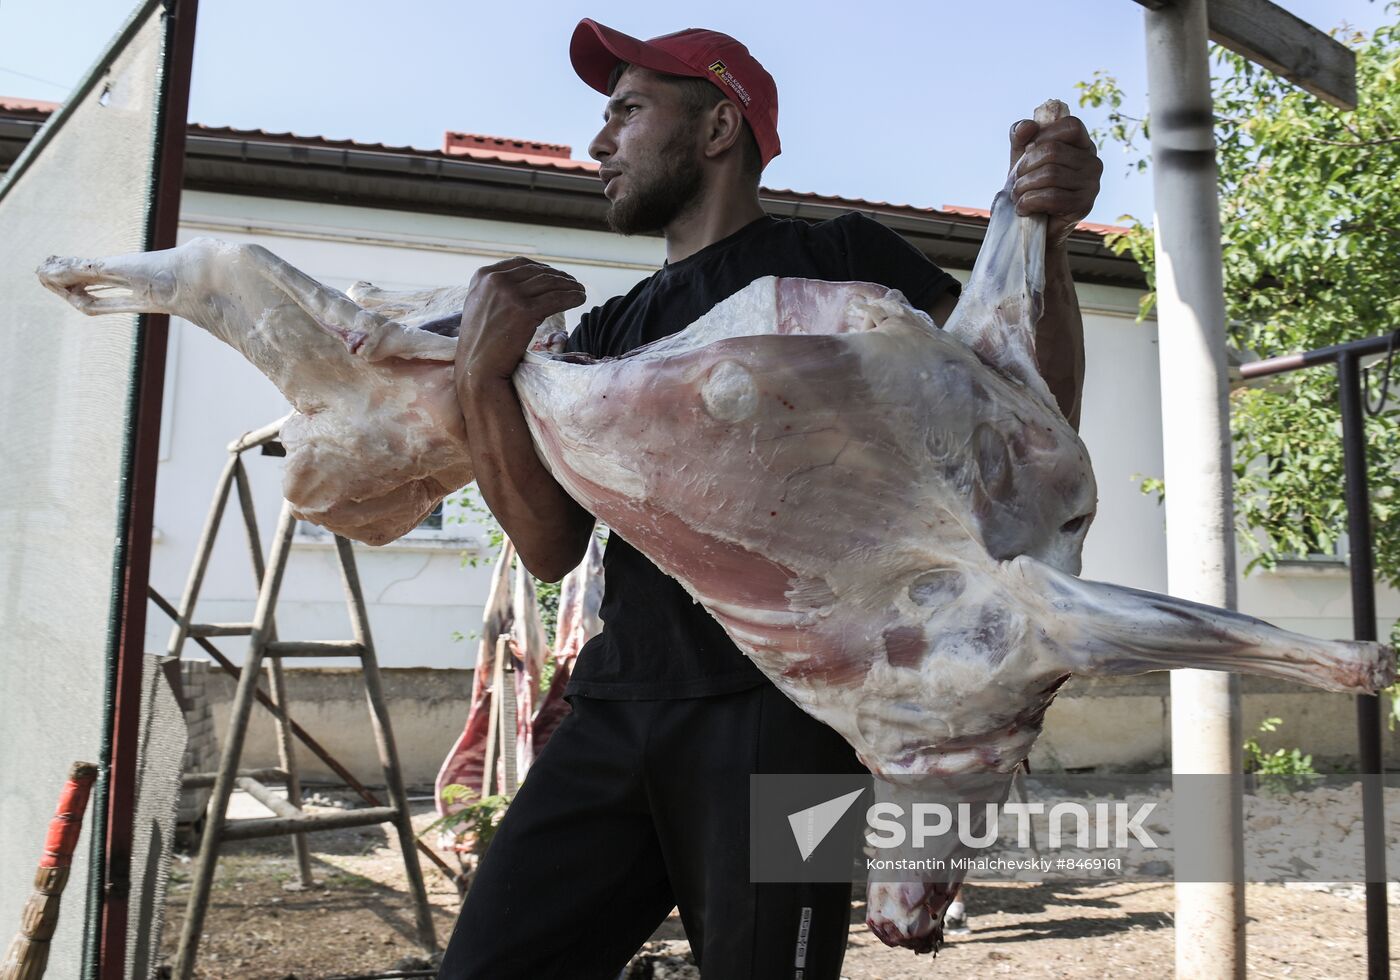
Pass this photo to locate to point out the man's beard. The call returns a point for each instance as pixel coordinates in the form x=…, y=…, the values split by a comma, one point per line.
x=661, y=191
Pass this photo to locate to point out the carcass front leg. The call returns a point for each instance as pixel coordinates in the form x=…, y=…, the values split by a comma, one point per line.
x=1094, y=628
x=248, y=281
x=144, y=282
x=910, y=913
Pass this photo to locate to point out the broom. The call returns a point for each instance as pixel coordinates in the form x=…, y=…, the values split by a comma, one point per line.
x=28, y=955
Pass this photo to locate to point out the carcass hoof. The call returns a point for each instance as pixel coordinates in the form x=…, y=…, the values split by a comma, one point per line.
x=890, y=936
x=1385, y=674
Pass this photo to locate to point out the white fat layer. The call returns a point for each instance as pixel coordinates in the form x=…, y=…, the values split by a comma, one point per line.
x=729, y=392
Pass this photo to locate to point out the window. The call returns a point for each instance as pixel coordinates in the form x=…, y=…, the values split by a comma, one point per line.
x=451, y=524
x=1333, y=553
x=433, y=522
x=450, y=520
x=1325, y=545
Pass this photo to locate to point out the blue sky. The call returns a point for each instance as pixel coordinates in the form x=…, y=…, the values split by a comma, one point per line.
x=907, y=102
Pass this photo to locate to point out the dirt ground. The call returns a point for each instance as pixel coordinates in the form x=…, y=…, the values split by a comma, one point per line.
x=358, y=921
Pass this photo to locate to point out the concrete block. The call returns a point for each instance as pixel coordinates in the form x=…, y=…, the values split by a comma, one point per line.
x=427, y=711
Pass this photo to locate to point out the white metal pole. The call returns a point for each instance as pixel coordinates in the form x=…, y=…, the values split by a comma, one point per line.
x=1206, y=736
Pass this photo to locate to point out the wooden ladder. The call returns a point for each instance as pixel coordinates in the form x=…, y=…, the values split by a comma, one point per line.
x=287, y=817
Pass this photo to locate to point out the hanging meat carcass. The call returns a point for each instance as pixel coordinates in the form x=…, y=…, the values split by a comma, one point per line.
x=512, y=613
x=580, y=598
x=465, y=764
x=886, y=517
x=528, y=648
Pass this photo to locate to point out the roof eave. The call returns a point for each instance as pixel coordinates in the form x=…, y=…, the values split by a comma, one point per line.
x=430, y=181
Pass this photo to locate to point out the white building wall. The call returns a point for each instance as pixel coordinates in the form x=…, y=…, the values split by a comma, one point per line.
x=420, y=593
x=1121, y=424
x=1313, y=600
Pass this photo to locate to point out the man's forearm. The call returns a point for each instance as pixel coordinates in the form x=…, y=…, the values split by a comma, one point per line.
x=548, y=528
x=1059, y=337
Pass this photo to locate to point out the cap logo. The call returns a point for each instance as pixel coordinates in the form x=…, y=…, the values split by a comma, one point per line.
x=722, y=71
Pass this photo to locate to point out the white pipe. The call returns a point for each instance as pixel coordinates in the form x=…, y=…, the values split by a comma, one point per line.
x=1206, y=736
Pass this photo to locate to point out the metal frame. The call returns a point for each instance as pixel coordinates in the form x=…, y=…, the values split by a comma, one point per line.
x=264, y=644
x=1347, y=358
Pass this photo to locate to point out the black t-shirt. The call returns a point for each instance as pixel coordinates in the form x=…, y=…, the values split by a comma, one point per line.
x=656, y=641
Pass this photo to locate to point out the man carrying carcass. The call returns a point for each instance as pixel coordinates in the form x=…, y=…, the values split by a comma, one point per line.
x=639, y=803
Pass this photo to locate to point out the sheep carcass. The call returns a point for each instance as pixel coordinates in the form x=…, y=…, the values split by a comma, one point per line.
x=886, y=517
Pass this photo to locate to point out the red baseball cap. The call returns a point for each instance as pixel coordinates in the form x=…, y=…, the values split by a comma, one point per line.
x=696, y=53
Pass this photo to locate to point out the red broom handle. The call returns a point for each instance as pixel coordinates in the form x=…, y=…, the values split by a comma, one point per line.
x=67, y=822
x=28, y=955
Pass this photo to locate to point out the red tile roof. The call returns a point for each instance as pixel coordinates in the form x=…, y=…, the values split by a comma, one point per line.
x=9, y=104
x=860, y=203
x=475, y=144
x=530, y=157
x=1089, y=226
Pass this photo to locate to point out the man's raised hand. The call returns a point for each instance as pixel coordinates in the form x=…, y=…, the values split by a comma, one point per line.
x=505, y=304
x=1057, y=173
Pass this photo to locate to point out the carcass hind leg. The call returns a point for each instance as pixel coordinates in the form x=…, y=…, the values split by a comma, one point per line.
x=365, y=333
x=1003, y=301
x=436, y=310
x=404, y=303
x=371, y=297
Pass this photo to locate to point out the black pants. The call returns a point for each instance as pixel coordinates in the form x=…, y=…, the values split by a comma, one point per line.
x=633, y=808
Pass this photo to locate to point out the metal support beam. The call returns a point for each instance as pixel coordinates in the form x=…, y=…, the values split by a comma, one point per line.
x=1368, y=707
x=1206, y=732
